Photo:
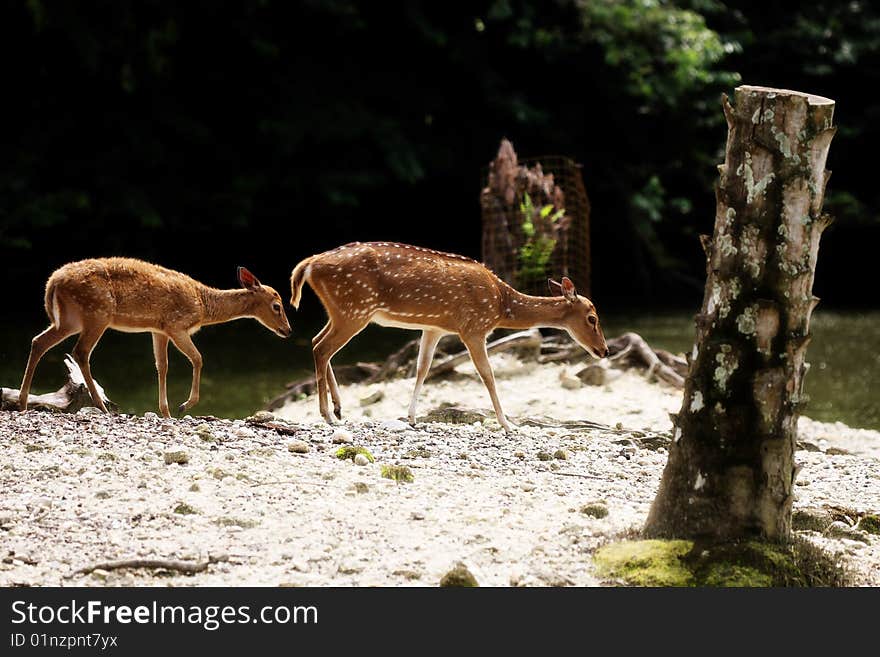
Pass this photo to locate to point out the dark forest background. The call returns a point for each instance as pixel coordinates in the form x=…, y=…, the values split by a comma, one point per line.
x=203, y=135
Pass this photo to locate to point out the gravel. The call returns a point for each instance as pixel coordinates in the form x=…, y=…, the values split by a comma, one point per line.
x=303, y=517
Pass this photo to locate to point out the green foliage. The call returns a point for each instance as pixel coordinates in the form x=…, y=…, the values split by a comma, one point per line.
x=664, y=52
x=539, y=226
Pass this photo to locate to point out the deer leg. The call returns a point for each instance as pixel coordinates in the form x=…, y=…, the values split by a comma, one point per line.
x=160, y=353
x=477, y=350
x=82, y=352
x=321, y=333
x=334, y=339
x=334, y=392
x=39, y=346
x=426, y=356
x=185, y=344
x=330, y=376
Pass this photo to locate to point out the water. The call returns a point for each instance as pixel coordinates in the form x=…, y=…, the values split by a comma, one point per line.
x=245, y=365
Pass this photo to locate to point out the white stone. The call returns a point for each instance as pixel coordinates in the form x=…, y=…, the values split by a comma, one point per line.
x=342, y=436
x=395, y=425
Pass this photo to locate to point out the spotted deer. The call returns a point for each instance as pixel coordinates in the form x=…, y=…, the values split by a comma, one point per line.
x=438, y=293
x=90, y=296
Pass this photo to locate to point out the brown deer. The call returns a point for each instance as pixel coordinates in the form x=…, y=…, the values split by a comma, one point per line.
x=90, y=296
x=439, y=293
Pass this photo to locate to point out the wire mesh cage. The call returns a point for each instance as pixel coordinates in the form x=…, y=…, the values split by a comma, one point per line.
x=536, y=221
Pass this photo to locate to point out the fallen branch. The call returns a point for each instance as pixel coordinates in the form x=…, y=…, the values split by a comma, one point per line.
x=345, y=375
x=186, y=567
x=71, y=397
x=639, y=353
x=629, y=350
x=524, y=340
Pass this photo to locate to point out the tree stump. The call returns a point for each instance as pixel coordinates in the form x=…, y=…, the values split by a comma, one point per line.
x=731, y=463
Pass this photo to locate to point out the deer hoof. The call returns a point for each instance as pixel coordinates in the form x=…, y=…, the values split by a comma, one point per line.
x=181, y=409
x=337, y=411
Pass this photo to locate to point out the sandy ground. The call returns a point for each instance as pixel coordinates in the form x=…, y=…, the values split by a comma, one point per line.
x=80, y=489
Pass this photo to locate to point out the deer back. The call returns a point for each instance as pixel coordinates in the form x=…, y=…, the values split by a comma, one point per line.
x=402, y=285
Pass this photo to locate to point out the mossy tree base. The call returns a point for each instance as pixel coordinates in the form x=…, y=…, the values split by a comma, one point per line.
x=731, y=465
x=739, y=564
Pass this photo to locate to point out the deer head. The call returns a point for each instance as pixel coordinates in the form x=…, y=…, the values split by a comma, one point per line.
x=580, y=318
x=266, y=304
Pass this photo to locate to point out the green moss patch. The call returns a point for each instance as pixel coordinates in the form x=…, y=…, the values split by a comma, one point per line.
x=740, y=564
x=399, y=473
x=595, y=510
x=348, y=453
x=459, y=576
x=646, y=563
x=870, y=523
x=816, y=520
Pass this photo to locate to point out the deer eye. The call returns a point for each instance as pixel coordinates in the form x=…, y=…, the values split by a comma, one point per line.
x=592, y=319
x=276, y=307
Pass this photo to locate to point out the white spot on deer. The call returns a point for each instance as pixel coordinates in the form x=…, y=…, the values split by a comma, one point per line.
x=676, y=435
x=700, y=482
x=697, y=402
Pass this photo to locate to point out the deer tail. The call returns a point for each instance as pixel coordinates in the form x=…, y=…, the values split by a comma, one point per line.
x=297, y=279
x=51, y=302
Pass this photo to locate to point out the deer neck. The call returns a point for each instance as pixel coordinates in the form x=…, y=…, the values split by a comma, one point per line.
x=225, y=305
x=524, y=311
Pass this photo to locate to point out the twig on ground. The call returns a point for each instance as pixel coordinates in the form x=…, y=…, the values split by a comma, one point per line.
x=186, y=567
x=576, y=474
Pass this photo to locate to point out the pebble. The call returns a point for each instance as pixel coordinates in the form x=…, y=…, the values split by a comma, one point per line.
x=300, y=447
x=176, y=455
x=342, y=436
x=360, y=459
x=149, y=415
x=204, y=432
x=394, y=425
x=90, y=410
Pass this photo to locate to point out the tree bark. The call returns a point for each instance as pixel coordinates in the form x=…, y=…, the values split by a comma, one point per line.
x=731, y=463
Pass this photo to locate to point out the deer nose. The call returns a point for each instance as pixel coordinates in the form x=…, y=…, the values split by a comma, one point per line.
x=285, y=331
x=605, y=355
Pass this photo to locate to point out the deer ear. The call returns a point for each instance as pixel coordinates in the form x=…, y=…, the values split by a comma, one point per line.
x=568, y=290
x=247, y=280
x=555, y=288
